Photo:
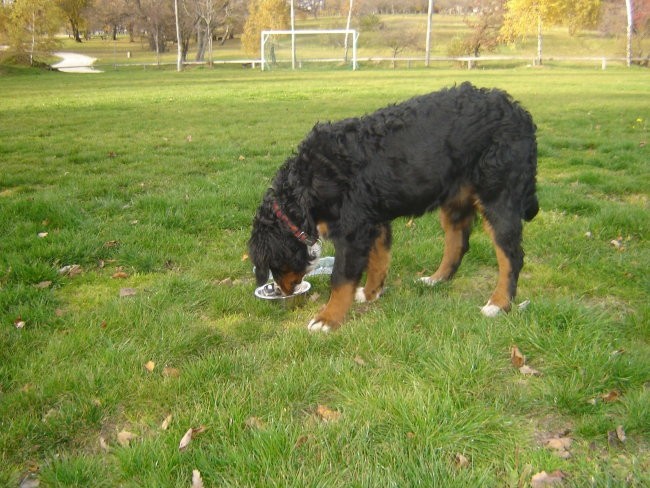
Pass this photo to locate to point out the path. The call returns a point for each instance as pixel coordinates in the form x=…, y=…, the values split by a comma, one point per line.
x=75, y=63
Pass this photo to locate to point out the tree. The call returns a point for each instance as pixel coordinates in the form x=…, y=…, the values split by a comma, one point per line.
x=30, y=27
x=523, y=16
x=74, y=11
x=263, y=15
x=484, y=28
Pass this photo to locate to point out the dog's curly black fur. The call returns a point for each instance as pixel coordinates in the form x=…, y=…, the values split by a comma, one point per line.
x=460, y=149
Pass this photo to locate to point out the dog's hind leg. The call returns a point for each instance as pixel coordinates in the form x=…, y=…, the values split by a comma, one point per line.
x=505, y=228
x=456, y=218
x=377, y=270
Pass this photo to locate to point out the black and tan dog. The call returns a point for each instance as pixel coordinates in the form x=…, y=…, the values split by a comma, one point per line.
x=461, y=149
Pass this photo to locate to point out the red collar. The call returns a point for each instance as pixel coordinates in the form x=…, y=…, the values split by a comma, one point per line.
x=299, y=234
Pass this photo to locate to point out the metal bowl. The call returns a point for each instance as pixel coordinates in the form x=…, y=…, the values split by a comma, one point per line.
x=272, y=292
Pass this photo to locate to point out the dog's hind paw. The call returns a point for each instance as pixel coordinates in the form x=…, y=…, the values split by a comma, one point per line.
x=429, y=281
x=491, y=310
x=316, y=325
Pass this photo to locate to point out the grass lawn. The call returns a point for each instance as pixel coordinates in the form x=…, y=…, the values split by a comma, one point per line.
x=144, y=183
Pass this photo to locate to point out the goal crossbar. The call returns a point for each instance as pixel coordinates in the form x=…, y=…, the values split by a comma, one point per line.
x=268, y=33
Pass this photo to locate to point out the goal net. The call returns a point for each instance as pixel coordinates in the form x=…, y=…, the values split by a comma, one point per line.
x=282, y=47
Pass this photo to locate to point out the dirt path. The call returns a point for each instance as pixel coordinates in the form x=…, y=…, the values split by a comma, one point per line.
x=75, y=63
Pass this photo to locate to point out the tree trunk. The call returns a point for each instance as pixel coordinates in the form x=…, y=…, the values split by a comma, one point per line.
x=630, y=29
x=179, y=41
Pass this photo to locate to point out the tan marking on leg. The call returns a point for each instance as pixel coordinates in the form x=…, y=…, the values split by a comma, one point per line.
x=501, y=295
x=336, y=308
x=378, y=262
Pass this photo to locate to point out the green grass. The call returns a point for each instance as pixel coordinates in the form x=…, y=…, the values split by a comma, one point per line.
x=101, y=158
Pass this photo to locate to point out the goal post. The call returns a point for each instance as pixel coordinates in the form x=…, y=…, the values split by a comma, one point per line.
x=266, y=34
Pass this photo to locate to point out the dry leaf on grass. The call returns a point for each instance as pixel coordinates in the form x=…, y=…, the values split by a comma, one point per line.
x=166, y=422
x=42, y=235
x=611, y=396
x=327, y=414
x=185, y=440
x=70, y=270
x=43, y=284
x=171, y=372
x=125, y=437
x=616, y=437
x=528, y=371
x=542, y=479
x=254, y=423
x=128, y=292
x=188, y=436
x=29, y=481
x=518, y=360
x=109, y=244
x=460, y=461
x=103, y=444
x=19, y=323
x=120, y=275
x=516, y=357
x=302, y=440
x=359, y=360
x=149, y=366
x=197, y=482
x=560, y=445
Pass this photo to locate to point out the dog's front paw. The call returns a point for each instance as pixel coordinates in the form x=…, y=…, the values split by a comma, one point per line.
x=491, y=310
x=430, y=281
x=319, y=325
x=361, y=296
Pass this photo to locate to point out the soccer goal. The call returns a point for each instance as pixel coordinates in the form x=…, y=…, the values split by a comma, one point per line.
x=275, y=43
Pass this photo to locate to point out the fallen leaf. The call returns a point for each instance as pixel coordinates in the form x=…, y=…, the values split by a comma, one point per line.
x=70, y=270
x=29, y=481
x=326, y=414
x=528, y=371
x=125, y=437
x=359, y=360
x=103, y=444
x=149, y=366
x=244, y=257
x=303, y=439
x=616, y=437
x=111, y=244
x=43, y=284
x=188, y=138
x=197, y=482
x=617, y=243
x=19, y=323
x=103, y=324
x=166, y=422
x=120, y=275
x=460, y=461
x=560, y=445
x=111, y=154
x=523, y=305
x=612, y=396
x=185, y=440
x=128, y=292
x=410, y=223
x=411, y=435
x=254, y=423
x=516, y=357
x=242, y=157
x=543, y=479
x=588, y=234
x=188, y=436
x=42, y=235
x=171, y=372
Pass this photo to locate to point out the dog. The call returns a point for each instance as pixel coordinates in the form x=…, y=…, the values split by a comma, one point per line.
x=462, y=149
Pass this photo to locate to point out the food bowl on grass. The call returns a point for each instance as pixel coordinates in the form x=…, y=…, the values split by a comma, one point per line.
x=272, y=293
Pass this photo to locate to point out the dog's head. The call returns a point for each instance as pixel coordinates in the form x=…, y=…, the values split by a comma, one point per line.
x=273, y=248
